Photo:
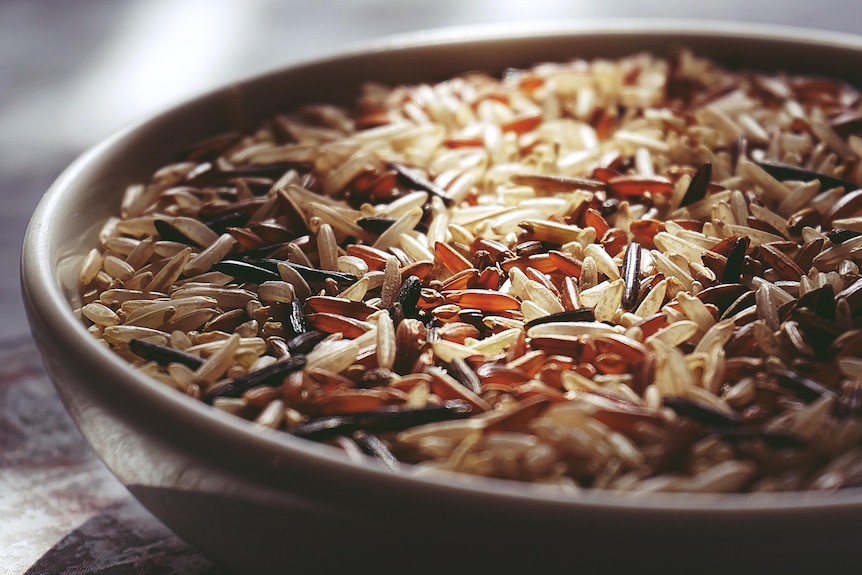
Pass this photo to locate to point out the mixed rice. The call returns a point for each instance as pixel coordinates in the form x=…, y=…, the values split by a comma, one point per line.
x=639, y=274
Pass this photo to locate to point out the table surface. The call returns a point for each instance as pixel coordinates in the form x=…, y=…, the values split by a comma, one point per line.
x=73, y=72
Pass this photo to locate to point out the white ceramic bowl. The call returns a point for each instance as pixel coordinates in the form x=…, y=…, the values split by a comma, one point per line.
x=269, y=502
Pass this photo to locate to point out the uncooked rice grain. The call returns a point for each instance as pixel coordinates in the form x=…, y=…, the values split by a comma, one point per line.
x=638, y=275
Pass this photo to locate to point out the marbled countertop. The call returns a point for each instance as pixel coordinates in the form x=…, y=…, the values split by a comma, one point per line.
x=71, y=73
x=61, y=510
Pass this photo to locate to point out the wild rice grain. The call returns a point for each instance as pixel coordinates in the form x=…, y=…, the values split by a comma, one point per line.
x=559, y=276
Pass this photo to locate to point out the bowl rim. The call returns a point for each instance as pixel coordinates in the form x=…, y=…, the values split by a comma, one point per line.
x=46, y=302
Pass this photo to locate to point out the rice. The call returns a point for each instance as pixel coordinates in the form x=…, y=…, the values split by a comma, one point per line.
x=639, y=275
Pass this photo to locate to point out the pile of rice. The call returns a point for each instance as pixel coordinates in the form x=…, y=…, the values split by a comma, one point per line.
x=636, y=274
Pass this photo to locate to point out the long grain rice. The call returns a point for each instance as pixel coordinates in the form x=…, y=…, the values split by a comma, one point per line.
x=529, y=274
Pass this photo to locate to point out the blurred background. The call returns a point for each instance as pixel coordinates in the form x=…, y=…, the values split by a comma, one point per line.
x=72, y=73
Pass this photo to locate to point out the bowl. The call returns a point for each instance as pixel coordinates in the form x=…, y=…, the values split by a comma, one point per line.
x=267, y=502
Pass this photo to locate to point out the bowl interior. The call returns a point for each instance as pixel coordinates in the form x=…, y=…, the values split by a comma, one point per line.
x=67, y=222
